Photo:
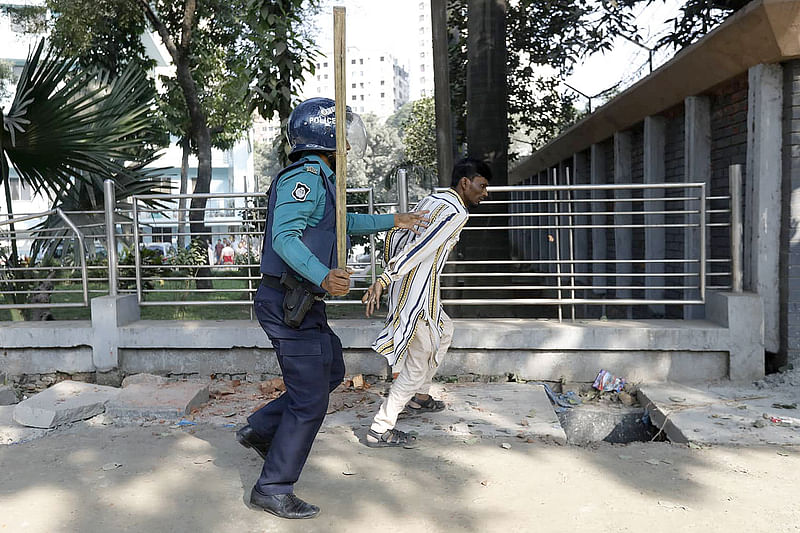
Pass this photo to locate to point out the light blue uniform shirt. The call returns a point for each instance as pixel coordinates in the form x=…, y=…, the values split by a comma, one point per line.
x=300, y=204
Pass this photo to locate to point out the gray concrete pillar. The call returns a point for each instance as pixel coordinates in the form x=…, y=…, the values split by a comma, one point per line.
x=654, y=237
x=763, y=193
x=108, y=314
x=597, y=173
x=697, y=169
x=623, y=237
x=741, y=313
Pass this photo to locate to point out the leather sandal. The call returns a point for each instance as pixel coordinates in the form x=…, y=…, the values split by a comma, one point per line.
x=391, y=438
x=425, y=406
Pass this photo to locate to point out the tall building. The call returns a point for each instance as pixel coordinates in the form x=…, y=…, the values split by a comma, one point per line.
x=376, y=82
x=421, y=59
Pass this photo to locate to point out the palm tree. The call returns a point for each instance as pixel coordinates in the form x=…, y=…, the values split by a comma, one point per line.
x=67, y=130
x=67, y=125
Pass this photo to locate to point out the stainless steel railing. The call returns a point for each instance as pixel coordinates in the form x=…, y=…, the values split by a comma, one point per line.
x=562, y=245
x=156, y=283
x=13, y=273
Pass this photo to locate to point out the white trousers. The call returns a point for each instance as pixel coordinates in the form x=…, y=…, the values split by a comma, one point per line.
x=416, y=375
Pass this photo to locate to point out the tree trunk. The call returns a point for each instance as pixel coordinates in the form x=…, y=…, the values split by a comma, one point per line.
x=441, y=91
x=487, y=91
x=198, y=120
x=183, y=239
x=487, y=136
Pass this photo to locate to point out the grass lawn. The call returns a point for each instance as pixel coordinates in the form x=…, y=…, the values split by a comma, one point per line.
x=225, y=289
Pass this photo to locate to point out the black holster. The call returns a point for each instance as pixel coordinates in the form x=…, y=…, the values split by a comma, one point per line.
x=297, y=300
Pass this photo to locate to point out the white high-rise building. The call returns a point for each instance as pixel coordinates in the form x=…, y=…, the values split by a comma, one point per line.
x=376, y=82
x=421, y=59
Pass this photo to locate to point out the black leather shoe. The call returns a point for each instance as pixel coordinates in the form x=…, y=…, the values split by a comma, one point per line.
x=283, y=505
x=248, y=438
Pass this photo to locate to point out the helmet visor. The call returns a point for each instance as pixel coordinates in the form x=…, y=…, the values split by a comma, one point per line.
x=356, y=136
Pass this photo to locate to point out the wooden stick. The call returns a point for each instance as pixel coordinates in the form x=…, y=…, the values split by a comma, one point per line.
x=340, y=94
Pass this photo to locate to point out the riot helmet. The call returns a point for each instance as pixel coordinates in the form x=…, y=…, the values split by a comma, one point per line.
x=312, y=127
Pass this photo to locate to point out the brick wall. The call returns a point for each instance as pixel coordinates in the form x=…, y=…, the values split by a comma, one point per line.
x=790, y=243
x=673, y=173
x=728, y=147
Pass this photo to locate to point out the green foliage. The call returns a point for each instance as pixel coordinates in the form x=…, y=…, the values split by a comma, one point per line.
x=103, y=34
x=27, y=19
x=546, y=39
x=149, y=258
x=189, y=260
x=419, y=134
x=696, y=19
x=267, y=161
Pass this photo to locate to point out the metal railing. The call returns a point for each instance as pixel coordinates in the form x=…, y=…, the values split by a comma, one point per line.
x=155, y=282
x=542, y=223
x=555, y=244
x=14, y=282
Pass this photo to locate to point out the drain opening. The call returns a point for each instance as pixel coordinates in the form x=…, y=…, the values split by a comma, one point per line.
x=584, y=424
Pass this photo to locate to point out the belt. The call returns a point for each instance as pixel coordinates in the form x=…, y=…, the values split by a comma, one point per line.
x=274, y=282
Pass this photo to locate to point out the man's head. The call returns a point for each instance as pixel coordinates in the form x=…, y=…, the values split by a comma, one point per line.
x=312, y=128
x=470, y=179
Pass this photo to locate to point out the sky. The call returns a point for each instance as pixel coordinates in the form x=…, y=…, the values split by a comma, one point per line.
x=387, y=24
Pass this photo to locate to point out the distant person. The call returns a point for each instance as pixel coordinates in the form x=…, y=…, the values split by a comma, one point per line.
x=417, y=333
x=218, y=252
x=241, y=248
x=227, y=254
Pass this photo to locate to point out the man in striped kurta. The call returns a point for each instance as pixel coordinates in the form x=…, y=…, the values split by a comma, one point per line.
x=417, y=332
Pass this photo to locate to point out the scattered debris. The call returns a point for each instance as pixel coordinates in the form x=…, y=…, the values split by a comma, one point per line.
x=606, y=381
x=626, y=399
x=358, y=382
x=217, y=389
x=272, y=387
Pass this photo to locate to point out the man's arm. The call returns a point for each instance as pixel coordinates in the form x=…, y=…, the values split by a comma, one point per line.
x=439, y=232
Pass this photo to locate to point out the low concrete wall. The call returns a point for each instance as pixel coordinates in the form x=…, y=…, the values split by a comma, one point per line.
x=728, y=344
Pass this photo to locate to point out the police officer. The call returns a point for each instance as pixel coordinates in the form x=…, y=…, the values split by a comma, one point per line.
x=298, y=266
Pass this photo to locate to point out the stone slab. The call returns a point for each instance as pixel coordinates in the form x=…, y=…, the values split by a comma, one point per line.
x=158, y=400
x=13, y=433
x=64, y=402
x=143, y=378
x=721, y=414
x=7, y=395
x=499, y=410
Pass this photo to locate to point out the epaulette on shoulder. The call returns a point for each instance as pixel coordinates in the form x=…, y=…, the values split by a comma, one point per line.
x=312, y=167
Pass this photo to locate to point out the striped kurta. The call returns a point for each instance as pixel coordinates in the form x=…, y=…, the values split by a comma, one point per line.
x=411, y=277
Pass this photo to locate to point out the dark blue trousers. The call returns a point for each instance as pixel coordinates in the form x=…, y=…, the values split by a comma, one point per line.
x=311, y=361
